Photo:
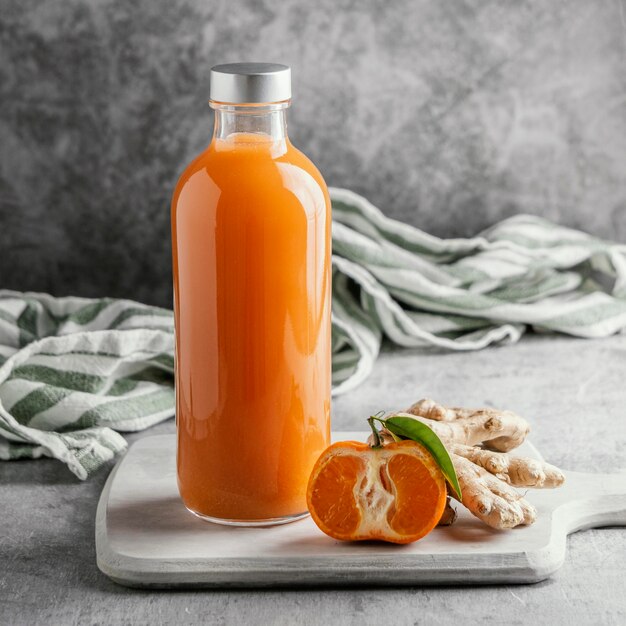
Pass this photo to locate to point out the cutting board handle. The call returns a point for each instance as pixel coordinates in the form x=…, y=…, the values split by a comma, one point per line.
x=591, y=501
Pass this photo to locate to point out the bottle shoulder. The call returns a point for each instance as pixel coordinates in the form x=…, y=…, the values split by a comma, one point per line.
x=252, y=168
x=197, y=164
x=300, y=160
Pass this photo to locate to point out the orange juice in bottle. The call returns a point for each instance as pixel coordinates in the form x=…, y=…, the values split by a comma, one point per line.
x=251, y=253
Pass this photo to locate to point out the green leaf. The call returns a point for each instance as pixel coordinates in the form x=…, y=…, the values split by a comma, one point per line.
x=409, y=428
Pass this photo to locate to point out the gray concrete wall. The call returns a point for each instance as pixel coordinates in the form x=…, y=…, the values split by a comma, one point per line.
x=446, y=114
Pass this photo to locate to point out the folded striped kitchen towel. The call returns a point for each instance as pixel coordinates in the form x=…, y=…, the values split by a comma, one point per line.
x=75, y=372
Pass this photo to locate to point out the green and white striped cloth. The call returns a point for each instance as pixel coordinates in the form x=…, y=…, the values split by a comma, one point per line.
x=75, y=372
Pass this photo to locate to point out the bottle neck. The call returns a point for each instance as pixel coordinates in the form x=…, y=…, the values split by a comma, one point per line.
x=268, y=120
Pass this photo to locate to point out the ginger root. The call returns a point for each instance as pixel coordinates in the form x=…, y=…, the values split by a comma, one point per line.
x=491, y=500
x=498, y=430
x=448, y=516
x=518, y=471
x=478, y=440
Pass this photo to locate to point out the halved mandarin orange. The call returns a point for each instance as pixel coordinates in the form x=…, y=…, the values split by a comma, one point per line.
x=394, y=493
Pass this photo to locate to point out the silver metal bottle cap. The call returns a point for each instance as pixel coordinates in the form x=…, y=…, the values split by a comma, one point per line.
x=239, y=83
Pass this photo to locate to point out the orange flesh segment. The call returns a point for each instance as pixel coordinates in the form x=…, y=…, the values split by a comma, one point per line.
x=416, y=491
x=333, y=497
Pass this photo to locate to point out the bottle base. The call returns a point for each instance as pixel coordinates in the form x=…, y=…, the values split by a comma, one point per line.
x=272, y=521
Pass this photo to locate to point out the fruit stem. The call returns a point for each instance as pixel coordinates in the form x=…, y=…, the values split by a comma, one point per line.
x=377, y=441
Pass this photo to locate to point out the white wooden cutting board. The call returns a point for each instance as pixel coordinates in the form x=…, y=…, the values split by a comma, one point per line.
x=145, y=537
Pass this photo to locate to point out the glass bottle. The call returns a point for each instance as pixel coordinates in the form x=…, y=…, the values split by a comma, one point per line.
x=251, y=257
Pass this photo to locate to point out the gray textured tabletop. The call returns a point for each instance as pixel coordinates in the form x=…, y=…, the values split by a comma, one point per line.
x=572, y=392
